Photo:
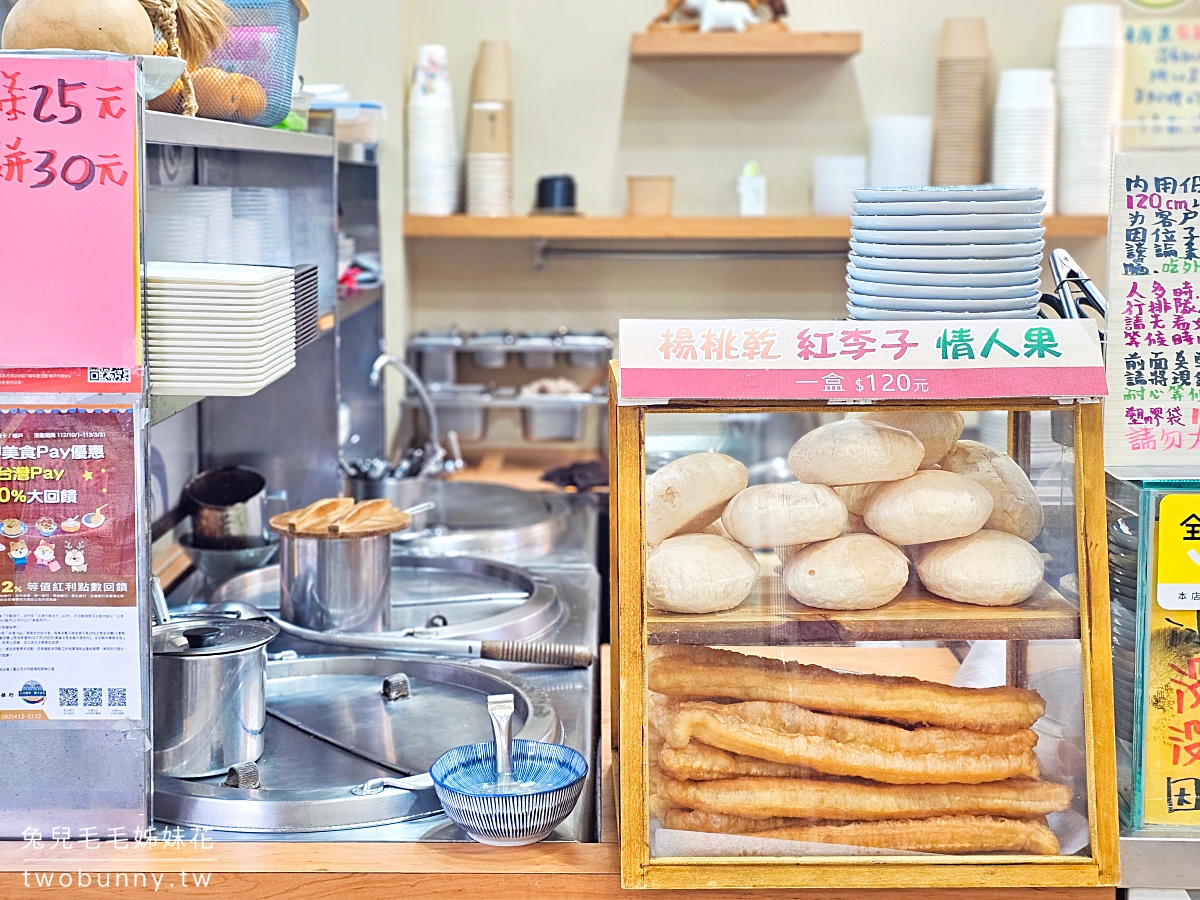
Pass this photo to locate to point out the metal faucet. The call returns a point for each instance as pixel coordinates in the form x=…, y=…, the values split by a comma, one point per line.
x=437, y=462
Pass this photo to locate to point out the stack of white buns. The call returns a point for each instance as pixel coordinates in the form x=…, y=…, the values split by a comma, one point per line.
x=876, y=492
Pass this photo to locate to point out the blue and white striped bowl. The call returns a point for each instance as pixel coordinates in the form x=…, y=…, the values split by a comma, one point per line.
x=465, y=779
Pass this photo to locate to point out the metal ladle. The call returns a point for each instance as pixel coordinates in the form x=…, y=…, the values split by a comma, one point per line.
x=574, y=656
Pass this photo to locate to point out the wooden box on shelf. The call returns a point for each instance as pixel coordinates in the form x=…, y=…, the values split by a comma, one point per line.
x=1069, y=617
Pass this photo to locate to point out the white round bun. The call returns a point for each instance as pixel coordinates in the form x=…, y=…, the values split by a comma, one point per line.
x=690, y=493
x=855, y=451
x=855, y=571
x=988, y=568
x=699, y=573
x=932, y=505
x=766, y=516
x=1015, y=505
x=936, y=429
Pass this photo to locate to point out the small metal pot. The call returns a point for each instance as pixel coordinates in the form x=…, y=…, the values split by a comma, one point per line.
x=336, y=583
x=210, y=703
x=228, y=508
x=405, y=493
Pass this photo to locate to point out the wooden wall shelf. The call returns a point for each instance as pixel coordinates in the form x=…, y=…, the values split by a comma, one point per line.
x=682, y=228
x=764, y=41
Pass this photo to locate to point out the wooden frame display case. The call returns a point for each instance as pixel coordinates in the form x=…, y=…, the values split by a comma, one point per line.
x=1067, y=617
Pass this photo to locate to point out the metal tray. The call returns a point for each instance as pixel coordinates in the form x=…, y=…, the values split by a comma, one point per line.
x=470, y=517
x=307, y=781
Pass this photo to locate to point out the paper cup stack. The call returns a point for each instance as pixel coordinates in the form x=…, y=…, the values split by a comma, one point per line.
x=900, y=151
x=433, y=161
x=1024, y=131
x=960, y=121
x=1090, y=81
x=489, y=134
x=945, y=253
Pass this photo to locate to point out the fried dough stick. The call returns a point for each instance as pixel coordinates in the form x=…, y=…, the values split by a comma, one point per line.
x=852, y=801
x=718, y=823
x=704, y=673
x=787, y=718
x=940, y=834
x=835, y=745
x=700, y=762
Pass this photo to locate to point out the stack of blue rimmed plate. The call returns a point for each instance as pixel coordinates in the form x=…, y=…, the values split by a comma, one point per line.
x=1123, y=578
x=945, y=252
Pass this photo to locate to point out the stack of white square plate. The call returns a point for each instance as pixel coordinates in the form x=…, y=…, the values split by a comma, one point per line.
x=945, y=252
x=306, y=304
x=218, y=330
x=1123, y=579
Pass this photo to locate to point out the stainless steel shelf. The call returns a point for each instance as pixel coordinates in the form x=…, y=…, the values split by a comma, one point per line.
x=168, y=128
x=1161, y=858
x=162, y=408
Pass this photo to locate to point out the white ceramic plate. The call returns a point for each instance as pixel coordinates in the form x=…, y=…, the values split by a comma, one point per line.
x=965, y=279
x=958, y=193
x=949, y=207
x=946, y=251
x=1026, y=293
x=966, y=222
x=1010, y=237
x=1002, y=266
x=926, y=304
x=215, y=273
x=866, y=313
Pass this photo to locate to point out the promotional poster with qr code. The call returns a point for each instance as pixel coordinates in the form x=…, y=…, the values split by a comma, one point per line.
x=69, y=626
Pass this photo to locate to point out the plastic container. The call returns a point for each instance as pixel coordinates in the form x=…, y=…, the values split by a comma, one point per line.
x=249, y=77
x=353, y=122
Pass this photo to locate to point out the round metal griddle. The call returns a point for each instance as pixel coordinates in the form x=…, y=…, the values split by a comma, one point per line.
x=447, y=597
x=470, y=517
x=330, y=728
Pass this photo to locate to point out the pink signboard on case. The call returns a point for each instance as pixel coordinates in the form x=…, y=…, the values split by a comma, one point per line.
x=858, y=362
x=69, y=255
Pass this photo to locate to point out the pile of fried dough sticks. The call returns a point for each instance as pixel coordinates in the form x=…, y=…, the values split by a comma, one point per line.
x=754, y=746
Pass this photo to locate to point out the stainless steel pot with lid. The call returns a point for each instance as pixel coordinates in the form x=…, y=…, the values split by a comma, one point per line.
x=209, y=677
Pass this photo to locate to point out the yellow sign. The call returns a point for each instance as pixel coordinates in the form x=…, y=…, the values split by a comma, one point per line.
x=1171, y=773
x=1178, y=583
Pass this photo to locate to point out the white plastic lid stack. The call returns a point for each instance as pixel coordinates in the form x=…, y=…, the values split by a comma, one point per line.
x=433, y=158
x=1090, y=76
x=901, y=151
x=1024, y=131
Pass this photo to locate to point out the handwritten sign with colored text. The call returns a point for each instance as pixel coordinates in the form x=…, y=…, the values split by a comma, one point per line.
x=1162, y=71
x=849, y=361
x=1152, y=416
x=69, y=255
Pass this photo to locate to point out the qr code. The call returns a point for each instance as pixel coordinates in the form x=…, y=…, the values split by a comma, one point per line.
x=93, y=696
x=108, y=374
x=116, y=696
x=68, y=696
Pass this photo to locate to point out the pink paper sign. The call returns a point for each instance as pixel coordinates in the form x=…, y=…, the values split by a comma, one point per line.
x=69, y=280
x=858, y=362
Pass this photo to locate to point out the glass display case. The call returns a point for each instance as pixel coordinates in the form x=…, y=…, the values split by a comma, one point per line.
x=877, y=662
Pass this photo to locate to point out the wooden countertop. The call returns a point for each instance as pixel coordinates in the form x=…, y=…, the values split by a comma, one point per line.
x=308, y=871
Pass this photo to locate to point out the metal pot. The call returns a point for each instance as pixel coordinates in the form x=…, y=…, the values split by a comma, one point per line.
x=336, y=583
x=405, y=493
x=209, y=694
x=228, y=508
